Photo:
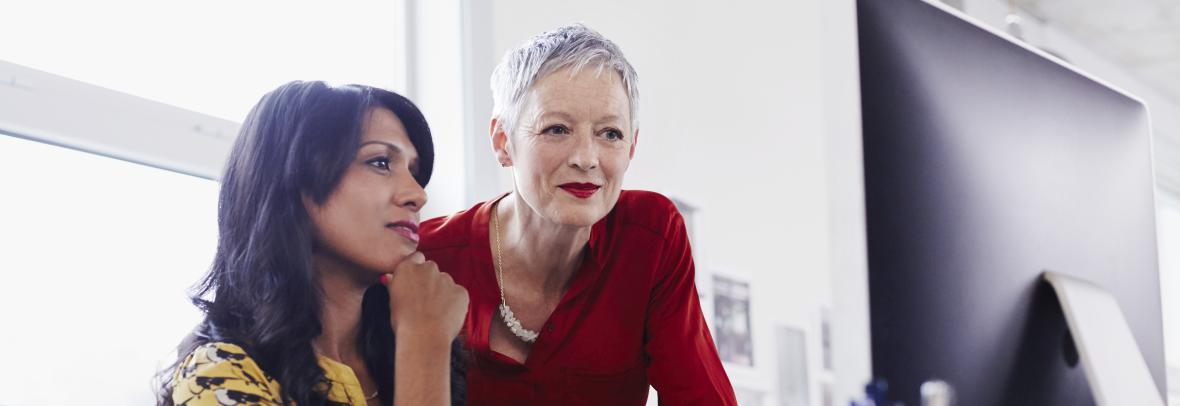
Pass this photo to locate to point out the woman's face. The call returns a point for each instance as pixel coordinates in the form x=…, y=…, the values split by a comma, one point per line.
x=571, y=146
x=371, y=218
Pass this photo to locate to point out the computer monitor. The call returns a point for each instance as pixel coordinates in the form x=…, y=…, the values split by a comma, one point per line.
x=987, y=163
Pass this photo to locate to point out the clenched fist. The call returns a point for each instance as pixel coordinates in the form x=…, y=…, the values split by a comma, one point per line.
x=424, y=301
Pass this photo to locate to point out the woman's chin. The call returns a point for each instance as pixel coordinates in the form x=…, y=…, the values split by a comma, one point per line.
x=389, y=260
x=579, y=216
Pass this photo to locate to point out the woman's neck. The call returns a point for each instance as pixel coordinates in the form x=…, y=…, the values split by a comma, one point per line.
x=542, y=253
x=340, y=310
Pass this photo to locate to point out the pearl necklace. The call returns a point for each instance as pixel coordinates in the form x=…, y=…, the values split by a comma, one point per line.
x=514, y=325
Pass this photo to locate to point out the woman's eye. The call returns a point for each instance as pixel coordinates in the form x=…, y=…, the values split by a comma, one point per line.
x=379, y=163
x=557, y=130
x=613, y=135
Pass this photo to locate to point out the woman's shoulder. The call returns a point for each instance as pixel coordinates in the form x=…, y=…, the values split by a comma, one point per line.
x=647, y=199
x=647, y=209
x=448, y=231
x=220, y=373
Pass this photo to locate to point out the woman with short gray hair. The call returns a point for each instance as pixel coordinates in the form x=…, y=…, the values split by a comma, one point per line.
x=581, y=292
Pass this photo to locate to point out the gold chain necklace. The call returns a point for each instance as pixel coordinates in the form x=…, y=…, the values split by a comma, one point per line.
x=514, y=325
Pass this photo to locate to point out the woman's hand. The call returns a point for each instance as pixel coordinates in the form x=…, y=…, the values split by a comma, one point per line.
x=426, y=310
x=423, y=301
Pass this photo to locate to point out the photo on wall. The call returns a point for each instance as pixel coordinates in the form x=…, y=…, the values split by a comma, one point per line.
x=731, y=311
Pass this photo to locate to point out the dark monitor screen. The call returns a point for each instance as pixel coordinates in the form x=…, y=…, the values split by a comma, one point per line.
x=985, y=164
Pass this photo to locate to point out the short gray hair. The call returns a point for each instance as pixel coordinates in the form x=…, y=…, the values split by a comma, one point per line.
x=573, y=46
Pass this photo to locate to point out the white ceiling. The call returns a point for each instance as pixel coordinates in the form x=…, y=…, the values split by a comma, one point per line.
x=1142, y=35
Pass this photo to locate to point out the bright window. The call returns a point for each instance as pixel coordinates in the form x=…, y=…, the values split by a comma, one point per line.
x=98, y=255
x=215, y=57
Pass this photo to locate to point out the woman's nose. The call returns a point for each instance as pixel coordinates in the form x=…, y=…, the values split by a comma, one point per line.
x=410, y=194
x=585, y=153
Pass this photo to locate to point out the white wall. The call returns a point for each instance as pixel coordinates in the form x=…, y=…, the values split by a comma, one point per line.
x=435, y=69
x=1169, y=236
x=851, y=353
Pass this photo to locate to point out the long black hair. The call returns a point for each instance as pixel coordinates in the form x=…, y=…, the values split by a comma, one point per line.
x=261, y=291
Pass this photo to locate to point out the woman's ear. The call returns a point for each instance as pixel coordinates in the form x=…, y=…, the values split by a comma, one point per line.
x=500, y=143
x=314, y=211
x=309, y=205
x=634, y=142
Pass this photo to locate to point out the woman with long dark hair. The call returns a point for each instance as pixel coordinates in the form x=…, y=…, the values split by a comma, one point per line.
x=317, y=294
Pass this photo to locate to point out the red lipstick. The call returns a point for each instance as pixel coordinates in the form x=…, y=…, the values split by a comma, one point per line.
x=580, y=190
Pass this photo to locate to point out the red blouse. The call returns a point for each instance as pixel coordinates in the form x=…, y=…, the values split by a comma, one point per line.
x=630, y=317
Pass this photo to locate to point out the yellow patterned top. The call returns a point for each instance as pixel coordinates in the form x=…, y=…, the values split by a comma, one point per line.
x=221, y=374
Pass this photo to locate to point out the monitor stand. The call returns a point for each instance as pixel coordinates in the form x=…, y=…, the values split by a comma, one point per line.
x=1110, y=357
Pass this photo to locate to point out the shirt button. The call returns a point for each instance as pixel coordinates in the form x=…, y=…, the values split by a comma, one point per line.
x=550, y=328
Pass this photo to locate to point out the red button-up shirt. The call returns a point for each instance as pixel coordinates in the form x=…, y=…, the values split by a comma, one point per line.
x=630, y=317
